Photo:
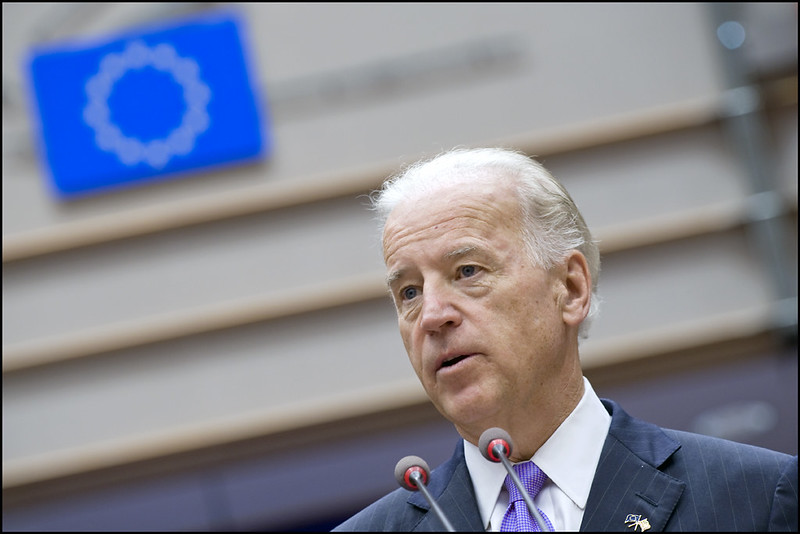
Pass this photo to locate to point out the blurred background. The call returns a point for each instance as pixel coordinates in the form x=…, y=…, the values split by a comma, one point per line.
x=200, y=339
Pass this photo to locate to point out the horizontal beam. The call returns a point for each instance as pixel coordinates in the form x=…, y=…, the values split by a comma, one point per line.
x=174, y=325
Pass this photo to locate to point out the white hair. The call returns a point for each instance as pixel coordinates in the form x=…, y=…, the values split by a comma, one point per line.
x=552, y=224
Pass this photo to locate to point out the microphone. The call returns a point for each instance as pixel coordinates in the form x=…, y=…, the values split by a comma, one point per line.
x=412, y=473
x=495, y=444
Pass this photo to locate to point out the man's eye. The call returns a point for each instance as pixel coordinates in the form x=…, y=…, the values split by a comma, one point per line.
x=467, y=270
x=409, y=293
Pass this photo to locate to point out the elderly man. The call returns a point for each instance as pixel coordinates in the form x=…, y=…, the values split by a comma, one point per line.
x=493, y=272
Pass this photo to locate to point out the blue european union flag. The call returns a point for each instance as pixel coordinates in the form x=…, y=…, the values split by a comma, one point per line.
x=146, y=104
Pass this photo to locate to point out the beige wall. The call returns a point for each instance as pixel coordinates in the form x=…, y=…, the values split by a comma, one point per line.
x=247, y=303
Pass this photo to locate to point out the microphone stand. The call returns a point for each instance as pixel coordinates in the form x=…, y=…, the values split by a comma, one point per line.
x=500, y=452
x=417, y=478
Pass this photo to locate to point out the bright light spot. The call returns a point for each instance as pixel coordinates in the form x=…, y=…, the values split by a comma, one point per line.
x=731, y=34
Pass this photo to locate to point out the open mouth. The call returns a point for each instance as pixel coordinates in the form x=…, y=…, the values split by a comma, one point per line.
x=453, y=361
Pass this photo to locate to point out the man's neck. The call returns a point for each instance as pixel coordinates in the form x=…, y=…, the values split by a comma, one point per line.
x=548, y=416
x=530, y=426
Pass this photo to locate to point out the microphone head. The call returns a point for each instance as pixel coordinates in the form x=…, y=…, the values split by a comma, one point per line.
x=490, y=439
x=408, y=465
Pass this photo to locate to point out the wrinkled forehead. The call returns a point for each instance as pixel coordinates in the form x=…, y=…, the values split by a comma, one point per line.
x=484, y=205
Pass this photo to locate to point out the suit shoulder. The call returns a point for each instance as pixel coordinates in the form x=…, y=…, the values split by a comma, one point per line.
x=758, y=486
x=389, y=513
x=727, y=448
x=725, y=458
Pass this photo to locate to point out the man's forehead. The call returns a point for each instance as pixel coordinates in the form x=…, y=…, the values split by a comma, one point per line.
x=423, y=206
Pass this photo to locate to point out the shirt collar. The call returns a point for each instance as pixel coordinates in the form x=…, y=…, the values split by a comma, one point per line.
x=569, y=457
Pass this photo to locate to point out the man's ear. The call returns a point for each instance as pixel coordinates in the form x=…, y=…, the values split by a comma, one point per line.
x=578, y=283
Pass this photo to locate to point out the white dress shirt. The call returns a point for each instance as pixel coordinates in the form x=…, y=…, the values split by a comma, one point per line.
x=569, y=458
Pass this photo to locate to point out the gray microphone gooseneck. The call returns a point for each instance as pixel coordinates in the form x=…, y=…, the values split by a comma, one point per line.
x=412, y=473
x=495, y=444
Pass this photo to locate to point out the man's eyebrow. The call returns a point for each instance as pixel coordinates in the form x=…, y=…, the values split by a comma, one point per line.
x=460, y=252
x=393, y=277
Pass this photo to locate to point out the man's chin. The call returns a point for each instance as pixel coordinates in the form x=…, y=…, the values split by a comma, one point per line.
x=469, y=418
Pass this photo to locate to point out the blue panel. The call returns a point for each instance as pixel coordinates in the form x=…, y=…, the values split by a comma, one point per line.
x=146, y=104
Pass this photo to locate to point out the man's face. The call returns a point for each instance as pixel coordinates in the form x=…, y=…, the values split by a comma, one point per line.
x=481, y=323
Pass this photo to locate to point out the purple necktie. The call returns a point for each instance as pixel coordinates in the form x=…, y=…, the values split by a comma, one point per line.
x=517, y=518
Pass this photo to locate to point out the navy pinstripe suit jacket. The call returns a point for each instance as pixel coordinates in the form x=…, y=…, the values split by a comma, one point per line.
x=677, y=480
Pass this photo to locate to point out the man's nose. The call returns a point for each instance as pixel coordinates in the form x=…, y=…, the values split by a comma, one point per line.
x=438, y=310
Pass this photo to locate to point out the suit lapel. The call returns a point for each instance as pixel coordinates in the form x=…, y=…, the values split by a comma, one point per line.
x=451, y=487
x=628, y=486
